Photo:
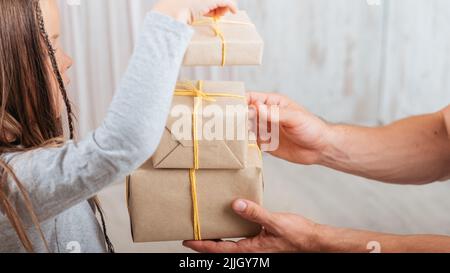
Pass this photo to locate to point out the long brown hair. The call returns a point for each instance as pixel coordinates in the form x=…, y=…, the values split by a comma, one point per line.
x=28, y=110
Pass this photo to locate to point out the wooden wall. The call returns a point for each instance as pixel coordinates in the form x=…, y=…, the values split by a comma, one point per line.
x=350, y=61
x=346, y=60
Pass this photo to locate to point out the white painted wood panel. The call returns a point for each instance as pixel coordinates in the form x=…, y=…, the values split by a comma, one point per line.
x=417, y=61
x=324, y=54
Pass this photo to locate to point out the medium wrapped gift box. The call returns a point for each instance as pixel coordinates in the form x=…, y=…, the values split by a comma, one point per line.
x=229, y=40
x=176, y=151
x=164, y=205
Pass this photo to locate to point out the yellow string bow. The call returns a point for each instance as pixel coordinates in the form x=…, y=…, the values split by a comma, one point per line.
x=214, y=23
x=190, y=90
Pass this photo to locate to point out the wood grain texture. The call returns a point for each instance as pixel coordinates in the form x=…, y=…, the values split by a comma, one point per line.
x=416, y=77
x=324, y=54
x=343, y=59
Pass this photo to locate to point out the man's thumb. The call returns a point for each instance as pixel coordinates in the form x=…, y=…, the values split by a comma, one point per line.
x=252, y=212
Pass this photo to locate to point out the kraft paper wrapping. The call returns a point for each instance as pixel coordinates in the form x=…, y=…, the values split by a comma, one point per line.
x=160, y=204
x=175, y=152
x=243, y=44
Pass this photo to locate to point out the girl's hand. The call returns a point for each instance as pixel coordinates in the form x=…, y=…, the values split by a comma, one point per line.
x=186, y=11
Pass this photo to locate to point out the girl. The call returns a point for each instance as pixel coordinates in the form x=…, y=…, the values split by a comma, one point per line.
x=45, y=181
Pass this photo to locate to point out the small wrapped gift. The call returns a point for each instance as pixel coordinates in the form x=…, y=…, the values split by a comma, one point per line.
x=229, y=40
x=212, y=130
x=172, y=205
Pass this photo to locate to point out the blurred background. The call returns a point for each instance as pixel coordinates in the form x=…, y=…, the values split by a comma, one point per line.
x=365, y=62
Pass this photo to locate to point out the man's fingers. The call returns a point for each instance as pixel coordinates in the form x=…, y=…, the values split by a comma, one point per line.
x=257, y=98
x=266, y=98
x=253, y=212
x=213, y=247
x=269, y=107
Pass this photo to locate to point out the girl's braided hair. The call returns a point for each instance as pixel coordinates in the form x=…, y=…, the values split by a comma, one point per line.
x=70, y=115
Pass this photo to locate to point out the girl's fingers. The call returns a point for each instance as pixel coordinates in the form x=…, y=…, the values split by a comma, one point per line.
x=218, y=12
x=230, y=4
x=222, y=7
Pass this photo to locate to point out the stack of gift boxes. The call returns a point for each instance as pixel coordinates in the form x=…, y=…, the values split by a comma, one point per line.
x=185, y=191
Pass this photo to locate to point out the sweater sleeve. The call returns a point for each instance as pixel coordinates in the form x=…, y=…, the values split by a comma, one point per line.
x=59, y=178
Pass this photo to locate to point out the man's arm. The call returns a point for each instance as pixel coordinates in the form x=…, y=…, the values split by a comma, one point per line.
x=294, y=233
x=352, y=241
x=411, y=151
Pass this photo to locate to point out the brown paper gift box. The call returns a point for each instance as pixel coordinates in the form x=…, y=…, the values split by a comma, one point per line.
x=174, y=152
x=160, y=204
x=240, y=41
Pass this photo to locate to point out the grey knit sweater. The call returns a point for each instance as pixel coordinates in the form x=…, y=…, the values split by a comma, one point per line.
x=61, y=180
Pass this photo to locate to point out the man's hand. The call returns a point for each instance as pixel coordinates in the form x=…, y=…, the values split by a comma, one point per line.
x=281, y=233
x=415, y=150
x=292, y=233
x=303, y=136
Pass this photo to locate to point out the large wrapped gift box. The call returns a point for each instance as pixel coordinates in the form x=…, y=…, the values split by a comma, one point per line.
x=229, y=40
x=218, y=147
x=162, y=206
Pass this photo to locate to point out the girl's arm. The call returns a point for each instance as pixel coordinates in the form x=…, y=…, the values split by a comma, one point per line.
x=59, y=178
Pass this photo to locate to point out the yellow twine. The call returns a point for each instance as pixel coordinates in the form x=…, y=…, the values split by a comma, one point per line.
x=214, y=23
x=196, y=216
x=198, y=93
